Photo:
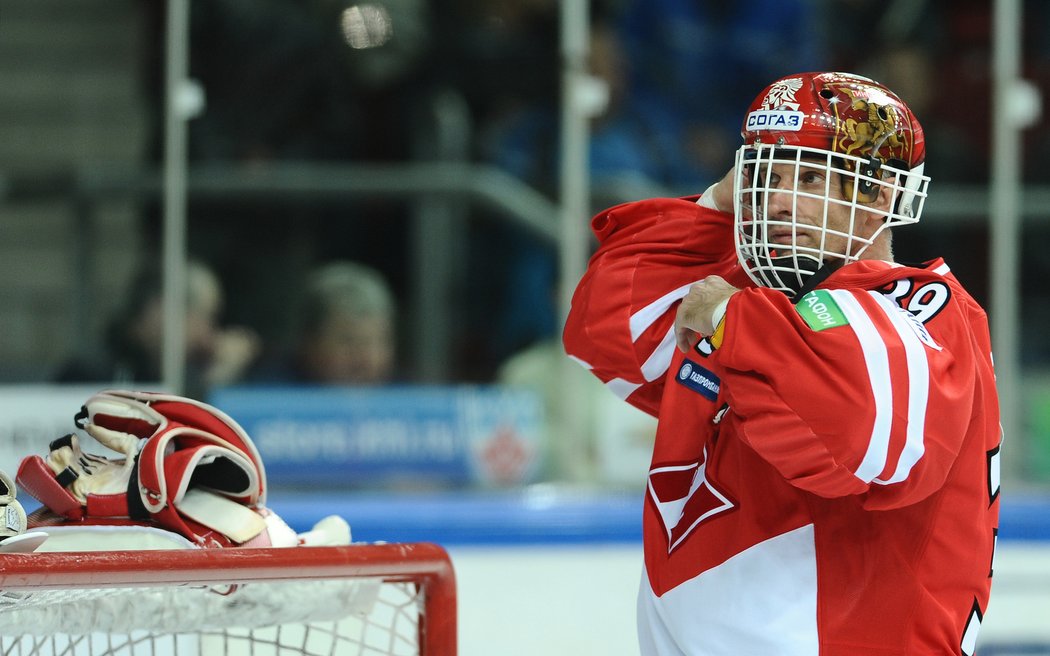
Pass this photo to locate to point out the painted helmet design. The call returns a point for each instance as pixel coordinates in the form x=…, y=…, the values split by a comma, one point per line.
x=823, y=153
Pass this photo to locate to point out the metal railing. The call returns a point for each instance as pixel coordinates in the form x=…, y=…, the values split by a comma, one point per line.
x=481, y=186
x=506, y=198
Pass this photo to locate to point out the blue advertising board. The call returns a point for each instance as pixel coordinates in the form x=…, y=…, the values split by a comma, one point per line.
x=405, y=435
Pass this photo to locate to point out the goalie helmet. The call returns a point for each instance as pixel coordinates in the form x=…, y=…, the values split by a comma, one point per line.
x=823, y=153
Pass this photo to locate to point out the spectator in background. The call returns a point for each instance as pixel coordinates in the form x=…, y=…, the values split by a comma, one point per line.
x=345, y=332
x=591, y=435
x=215, y=355
x=292, y=83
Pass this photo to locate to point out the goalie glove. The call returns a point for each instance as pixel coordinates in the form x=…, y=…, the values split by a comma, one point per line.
x=186, y=467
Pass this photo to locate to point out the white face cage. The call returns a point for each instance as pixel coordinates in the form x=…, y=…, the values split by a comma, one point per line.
x=799, y=208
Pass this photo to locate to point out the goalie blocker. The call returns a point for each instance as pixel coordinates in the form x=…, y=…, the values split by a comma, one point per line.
x=183, y=466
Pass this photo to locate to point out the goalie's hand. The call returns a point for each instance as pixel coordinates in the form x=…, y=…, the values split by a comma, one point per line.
x=722, y=192
x=696, y=315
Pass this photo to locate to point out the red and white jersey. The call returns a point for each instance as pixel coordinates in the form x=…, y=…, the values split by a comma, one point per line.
x=621, y=326
x=825, y=482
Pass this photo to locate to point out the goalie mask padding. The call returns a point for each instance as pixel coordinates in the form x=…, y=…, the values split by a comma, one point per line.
x=187, y=467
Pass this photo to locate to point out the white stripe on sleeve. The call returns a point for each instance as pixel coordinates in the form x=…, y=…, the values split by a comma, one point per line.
x=656, y=364
x=647, y=316
x=918, y=387
x=622, y=388
x=877, y=363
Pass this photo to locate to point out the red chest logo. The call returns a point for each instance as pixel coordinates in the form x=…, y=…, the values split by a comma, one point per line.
x=684, y=499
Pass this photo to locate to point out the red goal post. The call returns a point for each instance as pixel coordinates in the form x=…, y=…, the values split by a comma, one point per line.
x=40, y=582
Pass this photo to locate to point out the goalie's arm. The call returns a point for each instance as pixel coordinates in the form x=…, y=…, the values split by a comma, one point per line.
x=874, y=406
x=621, y=324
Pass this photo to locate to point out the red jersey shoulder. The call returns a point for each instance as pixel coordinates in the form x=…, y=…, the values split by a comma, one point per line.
x=664, y=222
x=925, y=291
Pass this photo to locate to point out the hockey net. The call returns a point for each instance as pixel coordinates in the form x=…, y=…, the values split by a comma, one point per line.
x=362, y=599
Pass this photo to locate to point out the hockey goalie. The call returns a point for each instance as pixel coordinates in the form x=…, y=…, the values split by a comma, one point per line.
x=183, y=474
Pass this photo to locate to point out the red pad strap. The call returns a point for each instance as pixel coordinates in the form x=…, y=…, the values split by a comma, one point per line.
x=107, y=505
x=38, y=480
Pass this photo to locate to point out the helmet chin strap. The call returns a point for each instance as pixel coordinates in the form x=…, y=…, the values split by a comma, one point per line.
x=810, y=272
x=820, y=274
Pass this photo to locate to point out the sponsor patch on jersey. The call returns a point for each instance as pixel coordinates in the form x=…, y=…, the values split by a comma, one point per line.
x=775, y=119
x=820, y=310
x=699, y=379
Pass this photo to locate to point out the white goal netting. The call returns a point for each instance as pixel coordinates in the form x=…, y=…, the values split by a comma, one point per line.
x=280, y=610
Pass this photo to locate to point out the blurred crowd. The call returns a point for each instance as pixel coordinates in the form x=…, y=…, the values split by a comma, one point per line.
x=343, y=334
x=337, y=81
